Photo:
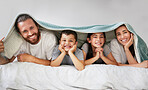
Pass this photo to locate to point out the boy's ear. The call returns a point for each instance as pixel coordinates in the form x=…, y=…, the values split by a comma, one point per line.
x=59, y=41
x=88, y=40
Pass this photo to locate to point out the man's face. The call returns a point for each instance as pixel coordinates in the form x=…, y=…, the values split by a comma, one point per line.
x=67, y=41
x=29, y=31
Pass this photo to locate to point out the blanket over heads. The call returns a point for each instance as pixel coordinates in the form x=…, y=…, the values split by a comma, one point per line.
x=13, y=40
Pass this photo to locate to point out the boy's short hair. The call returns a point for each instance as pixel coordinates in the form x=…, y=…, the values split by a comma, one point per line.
x=21, y=18
x=68, y=32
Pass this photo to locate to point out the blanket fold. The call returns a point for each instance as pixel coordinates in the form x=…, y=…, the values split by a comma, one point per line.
x=13, y=41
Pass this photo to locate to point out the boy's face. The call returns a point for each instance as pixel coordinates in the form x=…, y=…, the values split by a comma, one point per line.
x=67, y=41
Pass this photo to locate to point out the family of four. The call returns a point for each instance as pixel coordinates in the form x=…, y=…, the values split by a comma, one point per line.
x=38, y=48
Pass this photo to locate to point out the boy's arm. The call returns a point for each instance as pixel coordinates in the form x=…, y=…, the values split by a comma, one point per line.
x=56, y=62
x=79, y=64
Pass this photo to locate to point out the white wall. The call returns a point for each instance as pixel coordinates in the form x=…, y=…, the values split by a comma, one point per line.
x=78, y=13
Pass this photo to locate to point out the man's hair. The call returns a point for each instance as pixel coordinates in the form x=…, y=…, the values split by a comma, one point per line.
x=21, y=18
x=68, y=32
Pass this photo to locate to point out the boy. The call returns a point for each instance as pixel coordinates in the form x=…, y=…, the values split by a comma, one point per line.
x=67, y=53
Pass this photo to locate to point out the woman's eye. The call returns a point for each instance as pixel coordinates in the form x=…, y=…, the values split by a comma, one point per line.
x=125, y=32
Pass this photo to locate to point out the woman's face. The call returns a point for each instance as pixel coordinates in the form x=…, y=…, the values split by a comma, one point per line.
x=96, y=40
x=123, y=35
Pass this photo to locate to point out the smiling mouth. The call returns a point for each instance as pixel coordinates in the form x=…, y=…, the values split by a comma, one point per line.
x=98, y=43
x=67, y=46
x=124, y=40
x=33, y=36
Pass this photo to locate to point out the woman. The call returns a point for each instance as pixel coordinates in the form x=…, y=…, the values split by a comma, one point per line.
x=123, y=49
x=96, y=51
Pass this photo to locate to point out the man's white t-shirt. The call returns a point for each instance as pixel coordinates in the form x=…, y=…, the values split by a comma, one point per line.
x=43, y=49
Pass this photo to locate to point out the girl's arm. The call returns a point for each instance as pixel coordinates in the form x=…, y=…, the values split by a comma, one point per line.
x=130, y=58
x=59, y=59
x=92, y=60
x=79, y=64
x=109, y=59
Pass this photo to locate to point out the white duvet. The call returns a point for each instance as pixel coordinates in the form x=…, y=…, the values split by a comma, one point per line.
x=30, y=76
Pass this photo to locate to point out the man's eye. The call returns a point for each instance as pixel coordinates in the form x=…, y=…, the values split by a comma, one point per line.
x=24, y=31
x=31, y=28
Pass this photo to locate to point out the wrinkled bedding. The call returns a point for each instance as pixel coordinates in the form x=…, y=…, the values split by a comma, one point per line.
x=30, y=76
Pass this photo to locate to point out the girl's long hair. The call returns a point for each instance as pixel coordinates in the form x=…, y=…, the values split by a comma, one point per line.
x=90, y=51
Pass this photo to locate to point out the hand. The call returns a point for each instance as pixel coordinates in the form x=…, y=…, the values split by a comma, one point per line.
x=97, y=55
x=144, y=64
x=25, y=58
x=73, y=49
x=1, y=45
x=130, y=42
x=100, y=50
x=61, y=48
x=101, y=53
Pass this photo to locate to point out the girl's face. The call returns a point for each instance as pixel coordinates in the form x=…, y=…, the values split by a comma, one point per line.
x=123, y=35
x=67, y=41
x=96, y=40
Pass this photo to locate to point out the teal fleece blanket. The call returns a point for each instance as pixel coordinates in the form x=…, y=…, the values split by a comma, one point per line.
x=13, y=40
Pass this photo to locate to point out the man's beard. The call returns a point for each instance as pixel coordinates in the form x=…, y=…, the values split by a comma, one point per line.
x=35, y=41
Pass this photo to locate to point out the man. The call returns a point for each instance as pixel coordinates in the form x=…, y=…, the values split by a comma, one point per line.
x=37, y=46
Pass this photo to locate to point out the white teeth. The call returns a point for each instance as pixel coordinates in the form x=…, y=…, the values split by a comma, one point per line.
x=32, y=37
x=123, y=40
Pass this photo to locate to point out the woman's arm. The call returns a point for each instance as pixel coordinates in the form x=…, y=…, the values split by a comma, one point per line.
x=129, y=56
x=143, y=64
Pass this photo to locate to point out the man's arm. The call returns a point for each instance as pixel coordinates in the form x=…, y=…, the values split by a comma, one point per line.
x=29, y=58
x=2, y=59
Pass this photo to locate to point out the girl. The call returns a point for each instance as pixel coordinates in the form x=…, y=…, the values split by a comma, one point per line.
x=123, y=49
x=96, y=51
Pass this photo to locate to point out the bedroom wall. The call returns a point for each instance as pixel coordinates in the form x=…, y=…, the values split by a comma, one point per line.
x=78, y=13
